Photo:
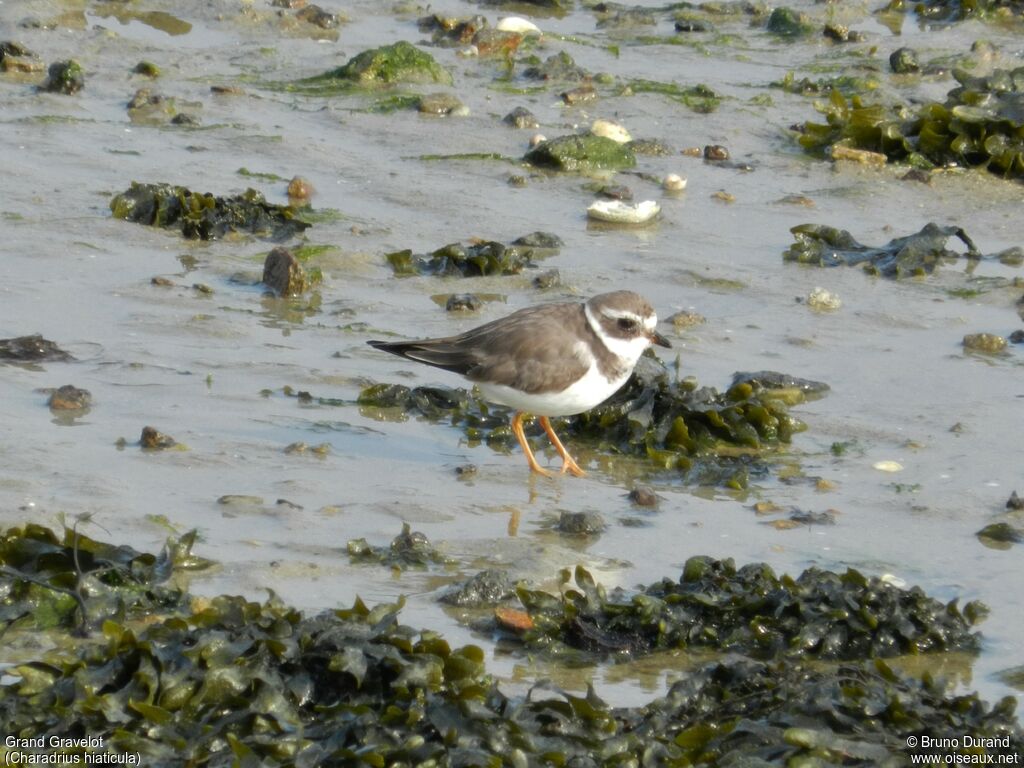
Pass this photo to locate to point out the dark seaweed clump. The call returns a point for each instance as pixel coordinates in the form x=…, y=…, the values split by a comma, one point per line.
x=45, y=578
x=228, y=682
x=64, y=77
x=202, y=216
x=712, y=438
x=981, y=124
x=751, y=611
x=409, y=549
x=910, y=256
x=32, y=348
x=957, y=10
x=482, y=258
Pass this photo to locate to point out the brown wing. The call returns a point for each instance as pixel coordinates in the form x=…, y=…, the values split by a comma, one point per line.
x=532, y=350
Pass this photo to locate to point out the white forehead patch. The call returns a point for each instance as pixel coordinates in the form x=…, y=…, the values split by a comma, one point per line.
x=647, y=321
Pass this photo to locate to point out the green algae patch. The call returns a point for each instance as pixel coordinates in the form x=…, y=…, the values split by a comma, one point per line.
x=477, y=259
x=787, y=23
x=203, y=216
x=226, y=681
x=915, y=255
x=400, y=63
x=581, y=153
x=709, y=438
x=752, y=611
x=700, y=98
x=981, y=124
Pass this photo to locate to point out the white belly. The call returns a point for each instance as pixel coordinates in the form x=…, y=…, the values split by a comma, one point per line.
x=593, y=389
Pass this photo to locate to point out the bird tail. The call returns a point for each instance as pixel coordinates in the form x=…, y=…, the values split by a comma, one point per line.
x=440, y=353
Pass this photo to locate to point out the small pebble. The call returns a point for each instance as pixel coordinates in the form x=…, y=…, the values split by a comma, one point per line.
x=318, y=17
x=803, y=200
x=439, y=104
x=69, y=398
x=300, y=188
x=579, y=95
x=185, y=118
x=986, y=343
x=462, y=302
x=862, y=156
x=686, y=319
x=156, y=440
x=147, y=68
x=549, y=278
x=513, y=619
x=521, y=117
x=283, y=274
x=716, y=153
x=615, y=192
x=323, y=449
x=903, y=61
x=1015, y=502
x=1000, y=533
x=691, y=25
x=918, y=175
x=828, y=517
x=536, y=139
x=766, y=508
x=643, y=497
x=581, y=523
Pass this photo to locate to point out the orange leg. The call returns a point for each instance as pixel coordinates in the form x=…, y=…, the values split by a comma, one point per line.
x=517, y=430
x=568, y=462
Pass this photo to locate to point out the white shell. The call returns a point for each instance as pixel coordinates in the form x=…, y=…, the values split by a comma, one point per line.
x=517, y=24
x=673, y=182
x=891, y=578
x=619, y=212
x=823, y=300
x=888, y=466
x=610, y=130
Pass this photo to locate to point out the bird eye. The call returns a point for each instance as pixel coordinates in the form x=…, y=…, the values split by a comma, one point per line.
x=627, y=324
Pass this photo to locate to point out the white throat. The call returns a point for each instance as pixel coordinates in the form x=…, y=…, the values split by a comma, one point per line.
x=627, y=350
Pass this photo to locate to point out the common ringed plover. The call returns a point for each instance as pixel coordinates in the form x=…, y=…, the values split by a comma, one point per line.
x=549, y=360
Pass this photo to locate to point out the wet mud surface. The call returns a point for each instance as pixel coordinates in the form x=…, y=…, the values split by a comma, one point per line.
x=915, y=448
